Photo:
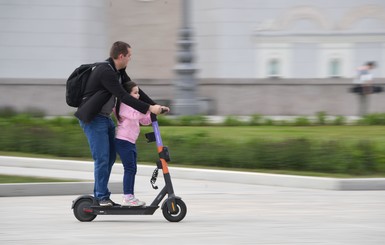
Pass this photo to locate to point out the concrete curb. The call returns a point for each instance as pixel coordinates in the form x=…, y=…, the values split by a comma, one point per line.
x=52, y=189
x=83, y=170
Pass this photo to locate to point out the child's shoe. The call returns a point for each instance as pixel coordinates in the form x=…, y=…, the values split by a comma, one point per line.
x=130, y=200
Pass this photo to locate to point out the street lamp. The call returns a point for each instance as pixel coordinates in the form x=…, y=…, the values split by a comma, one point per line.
x=185, y=102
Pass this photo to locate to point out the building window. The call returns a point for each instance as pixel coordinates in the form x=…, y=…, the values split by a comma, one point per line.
x=274, y=68
x=335, y=68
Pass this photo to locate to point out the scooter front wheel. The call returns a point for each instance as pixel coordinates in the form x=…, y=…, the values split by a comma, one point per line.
x=80, y=210
x=181, y=210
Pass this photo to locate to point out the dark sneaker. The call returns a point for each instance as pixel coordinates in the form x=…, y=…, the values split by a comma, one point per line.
x=106, y=203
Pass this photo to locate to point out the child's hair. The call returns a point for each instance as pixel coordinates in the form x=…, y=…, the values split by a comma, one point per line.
x=372, y=64
x=128, y=86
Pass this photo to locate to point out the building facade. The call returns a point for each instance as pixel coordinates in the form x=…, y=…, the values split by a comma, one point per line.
x=279, y=57
x=289, y=39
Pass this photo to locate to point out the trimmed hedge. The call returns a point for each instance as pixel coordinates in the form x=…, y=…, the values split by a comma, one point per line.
x=63, y=137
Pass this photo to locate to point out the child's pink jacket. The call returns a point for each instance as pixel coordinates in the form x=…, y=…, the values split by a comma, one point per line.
x=129, y=126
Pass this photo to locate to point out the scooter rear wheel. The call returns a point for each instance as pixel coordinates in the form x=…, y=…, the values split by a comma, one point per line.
x=79, y=210
x=181, y=210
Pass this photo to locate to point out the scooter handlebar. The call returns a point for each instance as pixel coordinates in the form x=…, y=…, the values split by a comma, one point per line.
x=153, y=116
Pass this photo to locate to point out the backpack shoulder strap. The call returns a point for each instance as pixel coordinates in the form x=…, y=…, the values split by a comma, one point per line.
x=100, y=63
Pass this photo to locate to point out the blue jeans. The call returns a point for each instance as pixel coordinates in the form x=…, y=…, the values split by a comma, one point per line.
x=127, y=153
x=100, y=133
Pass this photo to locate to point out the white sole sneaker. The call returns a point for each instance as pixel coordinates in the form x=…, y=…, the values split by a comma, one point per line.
x=132, y=202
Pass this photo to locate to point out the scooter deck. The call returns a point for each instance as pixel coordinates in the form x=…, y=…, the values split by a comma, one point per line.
x=119, y=209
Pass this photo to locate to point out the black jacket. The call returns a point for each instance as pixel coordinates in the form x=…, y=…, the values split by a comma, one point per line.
x=102, y=84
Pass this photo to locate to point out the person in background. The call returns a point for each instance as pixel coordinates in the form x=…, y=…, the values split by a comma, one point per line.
x=365, y=77
x=364, y=86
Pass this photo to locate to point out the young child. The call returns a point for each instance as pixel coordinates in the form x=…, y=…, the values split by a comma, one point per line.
x=127, y=132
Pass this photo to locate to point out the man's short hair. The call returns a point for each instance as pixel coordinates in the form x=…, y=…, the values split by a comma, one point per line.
x=118, y=48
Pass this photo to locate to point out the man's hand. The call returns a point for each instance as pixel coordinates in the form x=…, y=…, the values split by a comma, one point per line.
x=158, y=109
x=165, y=109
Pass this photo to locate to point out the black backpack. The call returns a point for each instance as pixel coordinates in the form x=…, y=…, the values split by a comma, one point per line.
x=76, y=83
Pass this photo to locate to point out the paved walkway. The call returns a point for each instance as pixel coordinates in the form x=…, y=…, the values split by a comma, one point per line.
x=217, y=213
x=222, y=208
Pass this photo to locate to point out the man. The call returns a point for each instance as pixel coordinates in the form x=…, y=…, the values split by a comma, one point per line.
x=364, y=86
x=365, y=77
x=103, y=87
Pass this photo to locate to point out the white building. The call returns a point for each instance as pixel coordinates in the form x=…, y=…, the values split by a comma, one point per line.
x=288, y=39
x=283, y=57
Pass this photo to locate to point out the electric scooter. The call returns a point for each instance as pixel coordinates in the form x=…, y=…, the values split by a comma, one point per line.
x=86, y=207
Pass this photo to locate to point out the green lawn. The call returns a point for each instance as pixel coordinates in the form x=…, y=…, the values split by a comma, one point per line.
x=240, y=136
x=375, y=133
